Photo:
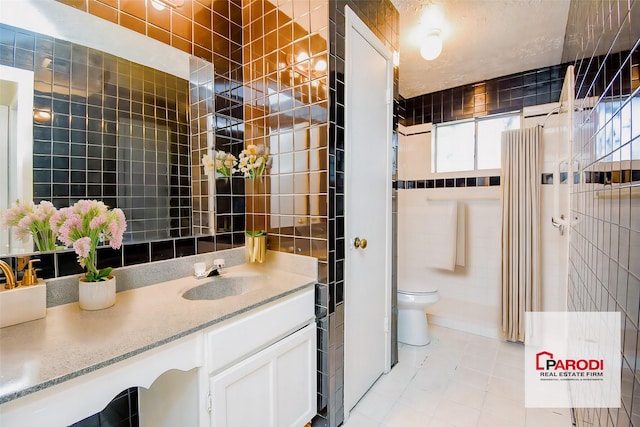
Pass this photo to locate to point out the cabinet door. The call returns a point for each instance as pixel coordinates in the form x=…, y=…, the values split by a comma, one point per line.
x=273, y=388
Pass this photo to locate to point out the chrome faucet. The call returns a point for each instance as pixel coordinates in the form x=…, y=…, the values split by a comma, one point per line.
x=8, y=273
x=215, y=270
x=218, y=266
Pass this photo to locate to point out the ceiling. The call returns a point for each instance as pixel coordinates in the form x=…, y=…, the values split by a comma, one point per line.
x=482, y=39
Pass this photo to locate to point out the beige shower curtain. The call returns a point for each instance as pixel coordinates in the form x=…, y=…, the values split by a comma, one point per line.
x=520, y=228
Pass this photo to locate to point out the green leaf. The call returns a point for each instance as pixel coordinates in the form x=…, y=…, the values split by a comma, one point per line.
x=104, y=273
x=256, y=233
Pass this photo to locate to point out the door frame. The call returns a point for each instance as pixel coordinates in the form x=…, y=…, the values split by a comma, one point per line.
x=354, y=23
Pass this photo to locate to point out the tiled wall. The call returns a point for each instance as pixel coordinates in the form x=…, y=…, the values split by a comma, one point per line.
x=469, y=297
x=218, y=204
x=108, y=129
x=286, y=100
x=122, y=411
x=514, y=92
x=207, y=29
x=210, y=30
x=604, y=267
x=286, y=110
x=509, y=93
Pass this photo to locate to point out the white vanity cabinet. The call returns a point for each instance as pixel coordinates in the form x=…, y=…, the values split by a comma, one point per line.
x=258, y=366
x=275, y=386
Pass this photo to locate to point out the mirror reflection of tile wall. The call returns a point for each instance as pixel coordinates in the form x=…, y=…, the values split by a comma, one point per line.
x=286, y=96
x=212, y=31
x=109, y=129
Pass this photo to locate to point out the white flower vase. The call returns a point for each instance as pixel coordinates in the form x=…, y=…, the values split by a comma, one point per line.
x=97, y=295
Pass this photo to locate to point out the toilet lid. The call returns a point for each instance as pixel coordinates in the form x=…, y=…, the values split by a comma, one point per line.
x=426, y=291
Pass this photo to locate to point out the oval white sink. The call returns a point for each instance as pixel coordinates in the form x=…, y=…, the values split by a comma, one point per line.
x=223, y=287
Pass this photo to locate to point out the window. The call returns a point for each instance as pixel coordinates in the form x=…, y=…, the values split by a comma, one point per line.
x=471, y=144
x=614, y=120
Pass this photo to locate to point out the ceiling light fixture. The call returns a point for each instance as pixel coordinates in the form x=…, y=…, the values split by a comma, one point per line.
x=431, y=45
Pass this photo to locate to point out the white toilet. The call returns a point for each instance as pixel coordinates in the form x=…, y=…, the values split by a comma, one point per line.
x=412, y=319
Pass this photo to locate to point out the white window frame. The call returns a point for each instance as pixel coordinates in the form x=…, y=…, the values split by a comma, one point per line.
x=475, y=120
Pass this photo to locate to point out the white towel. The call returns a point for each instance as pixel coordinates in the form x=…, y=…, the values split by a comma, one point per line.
x=441, y=234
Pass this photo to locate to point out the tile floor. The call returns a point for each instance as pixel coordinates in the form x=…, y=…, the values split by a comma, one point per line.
x=460, y=379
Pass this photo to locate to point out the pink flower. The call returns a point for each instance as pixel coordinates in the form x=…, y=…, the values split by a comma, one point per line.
x=84, y=206
x=64, y=234
x=98, y=221
x=122, y=222
x=82, y=246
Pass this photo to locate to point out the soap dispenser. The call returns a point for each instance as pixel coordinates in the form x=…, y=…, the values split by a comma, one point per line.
x=30, y=278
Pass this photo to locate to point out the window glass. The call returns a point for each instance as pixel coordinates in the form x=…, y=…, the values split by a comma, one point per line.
x=490, y=137
x=454, y=149
x=616, y=128
x=471, y=144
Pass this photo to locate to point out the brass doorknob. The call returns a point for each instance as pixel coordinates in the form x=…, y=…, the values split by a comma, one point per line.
x=360, y=243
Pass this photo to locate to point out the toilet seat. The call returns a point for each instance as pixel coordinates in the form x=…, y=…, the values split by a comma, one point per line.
x=418, y=293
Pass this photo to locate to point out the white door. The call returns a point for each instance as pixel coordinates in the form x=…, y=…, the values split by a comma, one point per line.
x=369, y=76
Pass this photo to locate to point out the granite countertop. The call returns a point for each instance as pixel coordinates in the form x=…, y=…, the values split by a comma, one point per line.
x=71, y=342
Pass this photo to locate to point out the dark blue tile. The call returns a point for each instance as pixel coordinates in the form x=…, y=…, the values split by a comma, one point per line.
x=162, y=250
x=46, y=268
x=547, y=178
x=185, y=247
x=68, y=263
x=205, y=244
x=109, y=257
x=136, y=253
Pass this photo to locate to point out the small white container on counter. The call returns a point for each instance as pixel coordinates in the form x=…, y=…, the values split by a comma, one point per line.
x=23, y=304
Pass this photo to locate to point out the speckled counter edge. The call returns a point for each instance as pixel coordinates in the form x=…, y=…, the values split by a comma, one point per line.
x=55, y=381
x=65, y=290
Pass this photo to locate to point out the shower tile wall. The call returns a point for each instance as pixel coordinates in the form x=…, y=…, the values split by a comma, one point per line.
x=109, y=129
x=212, y=31
x=604, y=266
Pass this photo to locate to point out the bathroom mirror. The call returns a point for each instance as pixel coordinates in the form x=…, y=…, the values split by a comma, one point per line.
x=16, y=143
x=162, y=69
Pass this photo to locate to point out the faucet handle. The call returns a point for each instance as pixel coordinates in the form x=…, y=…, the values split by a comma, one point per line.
x=30, y=277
